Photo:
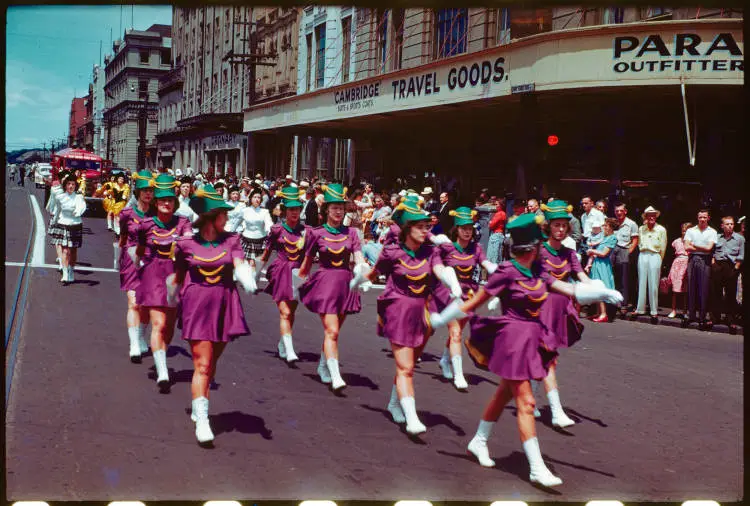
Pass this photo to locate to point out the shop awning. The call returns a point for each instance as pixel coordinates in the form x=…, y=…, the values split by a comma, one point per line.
x=78, y=154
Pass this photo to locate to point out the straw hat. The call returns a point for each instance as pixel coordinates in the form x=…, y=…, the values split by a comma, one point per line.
x=651, y=210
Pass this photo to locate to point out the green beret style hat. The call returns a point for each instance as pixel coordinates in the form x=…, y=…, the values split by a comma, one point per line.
x=206, y=199
x=463, y=216
x=525, y=229
x=334, y=193
x=557, y=209
x=291, y=196
x=164, y=186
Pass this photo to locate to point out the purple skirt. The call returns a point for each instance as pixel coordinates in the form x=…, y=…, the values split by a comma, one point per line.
x=128, y=273
x=559, y=315
x=404, y=320
x=327, y=292
x=152, y=290
x=279, y=275
x=211, y=313
x=512, y=348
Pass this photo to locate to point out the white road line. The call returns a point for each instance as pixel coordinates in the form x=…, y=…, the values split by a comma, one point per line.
x=54, y=266
x=37, y=257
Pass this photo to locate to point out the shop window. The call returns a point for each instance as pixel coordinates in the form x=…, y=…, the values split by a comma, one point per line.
x=308, y=73
x=451, y=30
x=320, y=54
x=503, y=25
x=398, y=38
x=346, y=31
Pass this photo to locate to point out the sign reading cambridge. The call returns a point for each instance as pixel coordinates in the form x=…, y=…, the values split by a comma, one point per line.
x=689, y=54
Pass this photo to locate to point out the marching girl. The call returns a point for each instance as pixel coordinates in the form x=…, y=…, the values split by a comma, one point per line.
x=54, y=229
x=327, y=291
x=119, y=196
x=287, y=239
x=107, y=200
x=558, y=311
x=156, y=242
x=130, y=220
x=464, y=254
x=235, y=214
x=211, y=313
x=68, y=229
x=412, y=267
x=255, y=225
x=517, y=346
x=183, y=199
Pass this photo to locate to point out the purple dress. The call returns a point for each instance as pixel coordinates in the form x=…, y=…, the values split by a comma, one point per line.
x=391, y=237
x=289, y=248
x=159, y=258
x=210, y=306
x=403, y=307
x=130, y=220
x=327, y=289
x=516, y=345
x=558, y=311
x=464, y=264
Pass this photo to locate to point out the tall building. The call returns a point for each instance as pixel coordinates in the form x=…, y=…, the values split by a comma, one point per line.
x=77, y=120
x=98, y=110
x=86, y=131
x=132, y=76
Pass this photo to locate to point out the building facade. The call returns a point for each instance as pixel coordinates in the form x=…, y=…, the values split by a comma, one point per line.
x=97, y=82
x=132, y=76
x=77, y=120
x=474, y=95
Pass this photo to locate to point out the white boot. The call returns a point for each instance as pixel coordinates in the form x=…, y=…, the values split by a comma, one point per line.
x=109, y=222
x=539, y=472
x=413, y=425
x=116, y=223
x=337, y=382
x=117, y=249
x=59, y=264
x=325, y=376
x=534, y=389
x=203, y=431
x=445, y=364
x=478, y=444
x=282, y=349
x=394, y=407
x=162, y=373
x=458, y=373
x=71, y=275
x=289, y=348
x=559, y=418
x=65, y=275
x=142, y=342
x=135, y=345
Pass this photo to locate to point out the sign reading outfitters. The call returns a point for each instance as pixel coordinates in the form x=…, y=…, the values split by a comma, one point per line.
x=706, y=51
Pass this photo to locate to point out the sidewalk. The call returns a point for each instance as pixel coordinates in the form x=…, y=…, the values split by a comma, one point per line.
x=677, y=322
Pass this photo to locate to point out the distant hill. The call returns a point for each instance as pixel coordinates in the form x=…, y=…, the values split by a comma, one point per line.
x=24, y=155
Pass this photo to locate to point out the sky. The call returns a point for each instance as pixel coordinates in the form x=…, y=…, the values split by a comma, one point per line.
x=50, y=55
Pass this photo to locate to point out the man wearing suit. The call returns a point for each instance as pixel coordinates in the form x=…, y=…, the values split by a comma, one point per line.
x=446, y=220
x=310, y=211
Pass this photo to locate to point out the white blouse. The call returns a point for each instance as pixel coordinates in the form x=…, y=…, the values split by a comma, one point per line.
x=70, y=206
x=235, y=216
x=185, y=210
x=256, y=222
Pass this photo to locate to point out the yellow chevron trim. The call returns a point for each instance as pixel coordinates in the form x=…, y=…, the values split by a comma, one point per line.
x=291, y=251
x=294, y=258
x=531, y=288
x=209, y=260
x=211, y=273
x=464, y=269
x=457, y=257
x=335, y=240
x=538, y=299
x=534, y=313
x=338, y=264
x=214, y=280
x=565, y=262
x=419, y=290
x=418, y=266
x=559, y=276
x=166, y=234
x=337, y=251
x=417, y=278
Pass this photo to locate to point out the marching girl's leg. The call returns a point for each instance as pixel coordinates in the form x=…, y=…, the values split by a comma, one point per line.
x=331, y=328
x=205, y=357
x=162, y=331
x=405, y=358
x=559, y=418
x=286, y=322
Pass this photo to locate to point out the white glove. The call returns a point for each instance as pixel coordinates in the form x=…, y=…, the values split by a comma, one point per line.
x=172, y=290
x=450, y=313
x=135, y=258
x=361, y=271
x=490, y=267
x=296, y=283
x=449, y=279
x=246, y=277
x=493, y=303
x=439, y=239
x=588, y=293
x=258, y=267
x=365, y=287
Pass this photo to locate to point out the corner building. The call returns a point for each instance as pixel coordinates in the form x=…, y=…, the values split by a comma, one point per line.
x=478, y=97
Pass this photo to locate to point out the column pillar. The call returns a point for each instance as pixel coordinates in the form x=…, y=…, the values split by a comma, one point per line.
x=313, y=156
x=294, y=166
x=351, y=166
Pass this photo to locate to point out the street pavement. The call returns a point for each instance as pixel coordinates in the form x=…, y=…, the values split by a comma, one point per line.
x=659, y=410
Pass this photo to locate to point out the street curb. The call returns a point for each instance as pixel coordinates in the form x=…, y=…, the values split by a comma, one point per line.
x=677, y=322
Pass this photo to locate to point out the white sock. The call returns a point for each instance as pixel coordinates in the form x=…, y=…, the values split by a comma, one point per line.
x=333, y=368
x=160, y=361
x=288, y=347
x=410, y=412
x=394, y=407
x=534, y=455
x=446, y=354
x=144, y=343
x=135, y=349
x=484, y=431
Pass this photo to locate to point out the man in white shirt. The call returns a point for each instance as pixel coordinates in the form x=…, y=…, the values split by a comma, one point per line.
x=623, y=254
x=589, y=212
x=699, y=243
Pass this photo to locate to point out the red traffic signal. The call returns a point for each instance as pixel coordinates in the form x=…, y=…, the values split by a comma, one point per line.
x=552, y=140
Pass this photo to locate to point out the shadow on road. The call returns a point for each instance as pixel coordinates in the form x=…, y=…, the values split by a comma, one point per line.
x=240, y=422
x=383, y=412
x=357, y=380
x=86, y=282
x=433, y=419
x=576, y=466
x=173, y=351
x=579, y=415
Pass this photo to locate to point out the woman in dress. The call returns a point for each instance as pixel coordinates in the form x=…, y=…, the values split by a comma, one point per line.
x=156, y=242
x=464, y=255
x=68, y=231
x=412, y=268
x=255, y=225
x=107, y=200
x=119, y=194
x=327, y=292
x=558, y=312
x=130, y=221
x=287, y=239
x=601, y=267
x=517, y=346
x=678, y=271
x=211, y=313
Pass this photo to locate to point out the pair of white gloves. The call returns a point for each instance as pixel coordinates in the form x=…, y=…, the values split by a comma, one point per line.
x=585, y=293
x=243, y=273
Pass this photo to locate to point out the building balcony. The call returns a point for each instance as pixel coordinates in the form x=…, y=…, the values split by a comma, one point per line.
x=173, y=79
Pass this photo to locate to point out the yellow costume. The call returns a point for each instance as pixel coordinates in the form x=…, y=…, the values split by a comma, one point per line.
x=82, y=185
x=120, y=196
x=107, y=192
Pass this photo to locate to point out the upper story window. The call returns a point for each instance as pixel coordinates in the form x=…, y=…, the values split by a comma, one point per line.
x=381, y=22
x=451, y=30
x=145, y=56
x=166, y=55
x=308, y=63
x=613, y=15
x=346, y=32
x=503, y=25
x=320, y=54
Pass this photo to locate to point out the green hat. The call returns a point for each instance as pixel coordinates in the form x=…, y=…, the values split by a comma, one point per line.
x=557, y=209
x=291, y=196
x=206, y=199
x=525, y=229
x=164, y=186
x=410, y=209
x=463, y=216
x=143, y=179
x=334, y=193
